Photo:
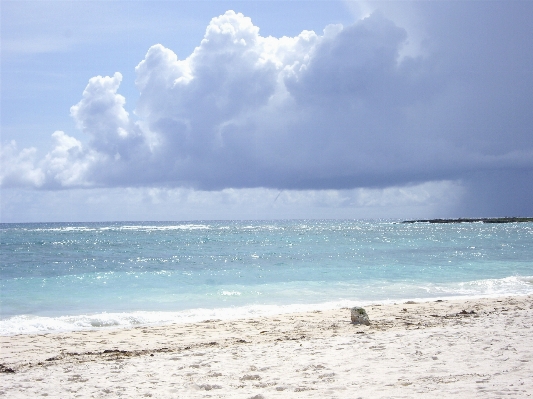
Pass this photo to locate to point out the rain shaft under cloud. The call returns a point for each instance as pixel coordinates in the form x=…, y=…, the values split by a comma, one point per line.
x=341, y=109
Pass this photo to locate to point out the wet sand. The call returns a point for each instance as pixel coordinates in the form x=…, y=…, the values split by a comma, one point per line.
x=463, y=348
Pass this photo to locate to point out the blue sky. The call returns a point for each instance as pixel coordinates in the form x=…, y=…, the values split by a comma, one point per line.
x=174, y=110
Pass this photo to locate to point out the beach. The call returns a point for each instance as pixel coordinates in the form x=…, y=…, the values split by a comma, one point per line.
x=460, y=347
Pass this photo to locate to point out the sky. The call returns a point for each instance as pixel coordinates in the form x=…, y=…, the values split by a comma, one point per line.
x=204, y=110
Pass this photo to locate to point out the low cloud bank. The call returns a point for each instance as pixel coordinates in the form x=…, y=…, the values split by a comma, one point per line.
x=338, y=110
x=171, y=204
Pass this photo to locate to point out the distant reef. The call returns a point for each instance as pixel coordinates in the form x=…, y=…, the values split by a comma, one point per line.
x=468, y=220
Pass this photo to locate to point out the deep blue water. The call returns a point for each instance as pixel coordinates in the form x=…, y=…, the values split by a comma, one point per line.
x=64, y=276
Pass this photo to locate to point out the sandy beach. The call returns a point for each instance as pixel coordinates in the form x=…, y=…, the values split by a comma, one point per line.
x=462, y=348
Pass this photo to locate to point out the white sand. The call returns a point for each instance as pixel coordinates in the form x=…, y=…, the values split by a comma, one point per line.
x=428, y=350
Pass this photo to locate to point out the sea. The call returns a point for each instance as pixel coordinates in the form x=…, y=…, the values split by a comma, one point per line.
x=76, y=276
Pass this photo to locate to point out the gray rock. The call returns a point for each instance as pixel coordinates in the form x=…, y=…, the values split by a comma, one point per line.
x=359, y=316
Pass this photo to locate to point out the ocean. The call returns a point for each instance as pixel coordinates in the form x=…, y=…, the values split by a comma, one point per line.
x=73, y=276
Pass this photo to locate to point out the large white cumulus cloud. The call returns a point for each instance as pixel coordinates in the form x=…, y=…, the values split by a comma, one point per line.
x=344, y=108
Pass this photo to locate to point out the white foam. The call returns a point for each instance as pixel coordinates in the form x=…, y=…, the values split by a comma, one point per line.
x=27, y=324
x=37, y=324
x=124, y=227
x=164, y=228
x=230, y=293
x=64, y=229
x=519, y=285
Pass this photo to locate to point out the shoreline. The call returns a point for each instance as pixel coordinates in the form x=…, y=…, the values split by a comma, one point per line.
x=244, y=312
x=459, y=346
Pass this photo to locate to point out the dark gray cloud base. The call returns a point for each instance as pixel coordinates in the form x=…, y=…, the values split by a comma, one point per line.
x=342, y=109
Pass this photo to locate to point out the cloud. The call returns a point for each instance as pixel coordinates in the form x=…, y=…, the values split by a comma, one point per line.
x=18, y=167
x=167, y=204
x=349, y=107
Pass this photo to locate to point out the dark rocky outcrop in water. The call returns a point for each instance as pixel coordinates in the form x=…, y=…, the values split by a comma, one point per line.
x=468, y=220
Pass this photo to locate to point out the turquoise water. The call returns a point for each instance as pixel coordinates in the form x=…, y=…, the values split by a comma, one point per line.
x=67, y=276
